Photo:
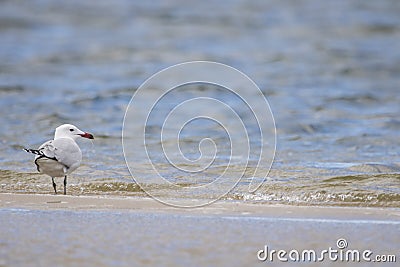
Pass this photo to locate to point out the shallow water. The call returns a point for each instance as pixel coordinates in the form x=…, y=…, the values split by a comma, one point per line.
x=330, y=72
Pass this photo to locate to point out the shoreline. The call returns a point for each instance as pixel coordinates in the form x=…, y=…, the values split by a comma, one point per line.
x=133, y=231
x=219, y=208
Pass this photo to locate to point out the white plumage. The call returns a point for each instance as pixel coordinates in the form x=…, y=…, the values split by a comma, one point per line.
x=61, y=156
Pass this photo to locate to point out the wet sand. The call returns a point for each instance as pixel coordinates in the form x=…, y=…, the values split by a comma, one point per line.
x=125, y=231
x=149, y=205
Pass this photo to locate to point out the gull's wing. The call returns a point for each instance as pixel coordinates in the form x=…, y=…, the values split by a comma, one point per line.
x=60, y=154
x=66, y=151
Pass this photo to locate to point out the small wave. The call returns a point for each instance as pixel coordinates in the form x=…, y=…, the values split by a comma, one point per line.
x=111, y=187
x=375, y=168
x=11, y=89
x=366, y=190
x=359, y=98
x=53, y=117
x=125, y=92
x=375, y=190
x=324, y=198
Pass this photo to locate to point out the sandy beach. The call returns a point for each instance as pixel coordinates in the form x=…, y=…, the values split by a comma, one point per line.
x=127, y=231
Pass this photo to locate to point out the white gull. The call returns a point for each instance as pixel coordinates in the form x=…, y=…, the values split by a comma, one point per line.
x=61, y=156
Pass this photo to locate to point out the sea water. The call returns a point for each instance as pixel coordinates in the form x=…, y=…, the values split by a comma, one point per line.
x=330, y=72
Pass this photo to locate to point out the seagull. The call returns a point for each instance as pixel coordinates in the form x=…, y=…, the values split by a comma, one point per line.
x=61, y=156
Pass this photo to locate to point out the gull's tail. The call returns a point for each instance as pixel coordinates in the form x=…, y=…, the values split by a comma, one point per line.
x=34, y=151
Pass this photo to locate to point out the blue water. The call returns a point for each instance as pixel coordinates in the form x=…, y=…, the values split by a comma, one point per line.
x=330, y=72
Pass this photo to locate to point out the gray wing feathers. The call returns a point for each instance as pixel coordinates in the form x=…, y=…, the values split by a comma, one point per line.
x=57, y=157
x=48, y=149
x=63, y=150
x=66, y=151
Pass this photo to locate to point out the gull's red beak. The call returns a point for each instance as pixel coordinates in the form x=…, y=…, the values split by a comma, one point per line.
x=87, y=135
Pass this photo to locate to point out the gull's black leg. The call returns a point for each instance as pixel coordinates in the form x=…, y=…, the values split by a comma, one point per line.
x=65, y=185
x=54, y=185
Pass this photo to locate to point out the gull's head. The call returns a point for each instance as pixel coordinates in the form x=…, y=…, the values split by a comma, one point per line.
x=70, y=131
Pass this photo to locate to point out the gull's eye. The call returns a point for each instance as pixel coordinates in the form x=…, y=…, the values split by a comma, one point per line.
x=71, y=130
